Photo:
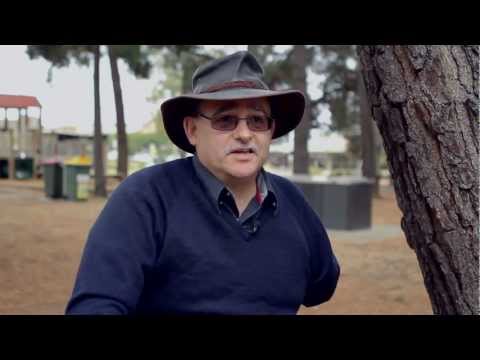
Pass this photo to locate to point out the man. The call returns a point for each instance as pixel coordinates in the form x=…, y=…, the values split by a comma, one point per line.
x=213, y=233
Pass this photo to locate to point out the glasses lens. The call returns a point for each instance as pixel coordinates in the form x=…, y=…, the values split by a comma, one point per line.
x=225, y=123
x=258, y=123
x=229, y=122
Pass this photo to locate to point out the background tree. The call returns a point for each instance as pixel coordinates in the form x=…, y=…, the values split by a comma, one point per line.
x=300, y=61
x=136, y=57
x=424, y=100
x=99, y=166
x=344, y=96
x=178, y=63
x=60, y=56
x=339, y=88
x=288, y=69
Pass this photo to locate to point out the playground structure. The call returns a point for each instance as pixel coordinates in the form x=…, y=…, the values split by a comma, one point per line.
x=21, y=139
x=25, y=146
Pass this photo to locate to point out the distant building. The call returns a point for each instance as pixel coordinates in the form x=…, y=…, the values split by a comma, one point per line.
x=325, y=151
x=63, y=144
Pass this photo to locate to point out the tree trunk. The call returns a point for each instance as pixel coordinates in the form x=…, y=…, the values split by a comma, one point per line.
x=188, y=68
x=425, y=102
x=100, y=189
x=122, y=144
x=300, y=155
x=369, y=151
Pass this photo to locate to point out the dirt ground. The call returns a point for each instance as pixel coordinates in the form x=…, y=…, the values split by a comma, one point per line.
x=41, y=241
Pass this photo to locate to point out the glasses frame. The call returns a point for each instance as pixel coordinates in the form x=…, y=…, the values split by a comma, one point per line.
x=270, y=122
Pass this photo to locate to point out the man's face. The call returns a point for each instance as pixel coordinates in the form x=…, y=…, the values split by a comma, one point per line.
x=234, y=154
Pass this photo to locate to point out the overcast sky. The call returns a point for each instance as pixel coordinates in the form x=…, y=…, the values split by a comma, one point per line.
x=68, y=99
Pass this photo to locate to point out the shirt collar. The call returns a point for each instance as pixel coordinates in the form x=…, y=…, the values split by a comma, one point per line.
x=215, y=187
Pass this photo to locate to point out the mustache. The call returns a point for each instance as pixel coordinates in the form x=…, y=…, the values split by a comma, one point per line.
x=233, y=148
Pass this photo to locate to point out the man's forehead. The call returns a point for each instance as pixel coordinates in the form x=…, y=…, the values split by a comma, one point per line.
x=224, y=105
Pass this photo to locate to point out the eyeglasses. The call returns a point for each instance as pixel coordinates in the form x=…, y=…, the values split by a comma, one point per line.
x=224, y=122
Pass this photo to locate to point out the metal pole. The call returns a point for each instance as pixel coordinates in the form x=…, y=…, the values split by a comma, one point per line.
x=5, y=124
x=40, y=139
x=11, y=160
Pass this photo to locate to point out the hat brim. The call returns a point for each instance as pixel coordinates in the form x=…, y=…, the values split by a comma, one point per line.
x=287, y=109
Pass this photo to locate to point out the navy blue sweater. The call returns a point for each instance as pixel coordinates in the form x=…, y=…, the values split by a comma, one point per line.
x=160, y=246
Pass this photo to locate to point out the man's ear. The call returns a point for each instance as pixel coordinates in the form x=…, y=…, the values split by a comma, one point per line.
x=190, y=128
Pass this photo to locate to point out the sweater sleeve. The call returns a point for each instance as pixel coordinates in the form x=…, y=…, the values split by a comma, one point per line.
x=120, y=247
x=325, y=269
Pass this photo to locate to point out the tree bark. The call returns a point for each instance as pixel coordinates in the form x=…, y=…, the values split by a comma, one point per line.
x=369, y=150
x=425, y=102
x=100, y=188
x=122, y=144
x=300, y=155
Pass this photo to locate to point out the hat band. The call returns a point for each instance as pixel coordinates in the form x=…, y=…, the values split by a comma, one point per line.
x=233, y=84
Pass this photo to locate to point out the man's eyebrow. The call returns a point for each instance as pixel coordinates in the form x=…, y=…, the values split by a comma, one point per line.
x=225, y=107
x=231, y=105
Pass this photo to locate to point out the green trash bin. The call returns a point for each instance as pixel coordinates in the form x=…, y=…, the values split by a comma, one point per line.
x=70, y=179
x=83, y=186
x=4, y=168
x=52, y=178
x=78, y=165
x=24, y=168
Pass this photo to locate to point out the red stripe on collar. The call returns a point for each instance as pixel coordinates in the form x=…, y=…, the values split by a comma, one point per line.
x=258, y=194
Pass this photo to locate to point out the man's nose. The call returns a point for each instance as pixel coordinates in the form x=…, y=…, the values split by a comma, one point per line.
x=242, y=131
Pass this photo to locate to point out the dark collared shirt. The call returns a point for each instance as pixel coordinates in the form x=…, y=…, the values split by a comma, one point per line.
x=223, y=199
